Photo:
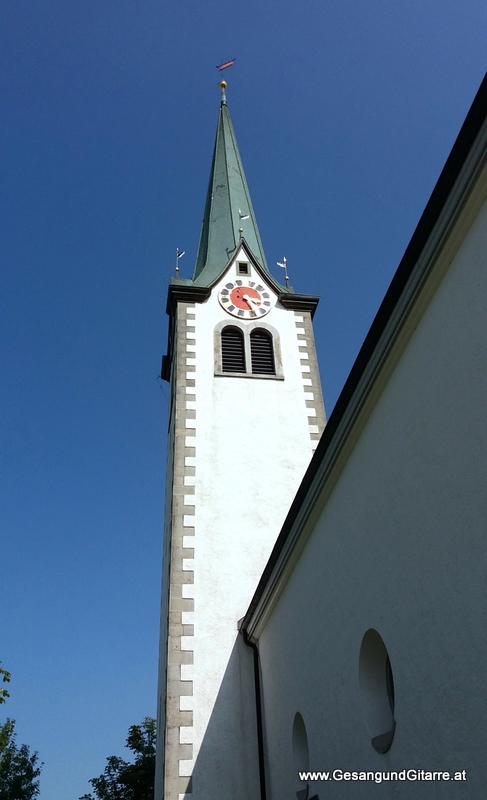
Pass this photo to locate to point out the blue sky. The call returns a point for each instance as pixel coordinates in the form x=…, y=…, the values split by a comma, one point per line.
x=344, y=114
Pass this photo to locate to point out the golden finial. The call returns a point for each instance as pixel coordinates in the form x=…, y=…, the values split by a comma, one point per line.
x=223, y=86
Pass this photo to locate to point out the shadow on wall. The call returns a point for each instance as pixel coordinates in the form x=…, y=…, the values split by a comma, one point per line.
x=227, y=765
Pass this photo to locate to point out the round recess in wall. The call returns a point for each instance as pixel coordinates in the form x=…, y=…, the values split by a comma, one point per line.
x=300, y=755
x=377, y=690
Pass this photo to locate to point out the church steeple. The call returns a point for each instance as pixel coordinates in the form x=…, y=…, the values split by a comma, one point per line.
x=245, y=415
x=229, y=215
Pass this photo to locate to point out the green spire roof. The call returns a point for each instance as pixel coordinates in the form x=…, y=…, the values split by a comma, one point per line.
x=227, y=204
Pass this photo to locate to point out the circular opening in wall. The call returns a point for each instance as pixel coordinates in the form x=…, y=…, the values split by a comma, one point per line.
x=300, y=756
x=377, y=690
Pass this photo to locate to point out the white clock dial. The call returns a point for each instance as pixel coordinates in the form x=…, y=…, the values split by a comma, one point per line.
x=246, y=299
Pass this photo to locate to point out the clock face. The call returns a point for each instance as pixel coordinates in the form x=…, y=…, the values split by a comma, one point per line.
x=246, y=299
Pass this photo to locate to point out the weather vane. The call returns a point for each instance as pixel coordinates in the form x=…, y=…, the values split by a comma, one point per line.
x=179, y=255
x=284, y=266
x=226, y=64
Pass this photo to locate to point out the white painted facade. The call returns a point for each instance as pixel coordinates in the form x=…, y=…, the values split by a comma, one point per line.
x=251, y=439
x=394, y=539
x=252, y=448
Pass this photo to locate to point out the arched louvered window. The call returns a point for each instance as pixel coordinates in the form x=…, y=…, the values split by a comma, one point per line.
x=262, y=352
x=233, y=350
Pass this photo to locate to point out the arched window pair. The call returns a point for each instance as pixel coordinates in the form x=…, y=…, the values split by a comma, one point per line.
x=261, y=351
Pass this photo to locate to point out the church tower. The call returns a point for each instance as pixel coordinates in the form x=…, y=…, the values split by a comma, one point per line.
x=246, y=413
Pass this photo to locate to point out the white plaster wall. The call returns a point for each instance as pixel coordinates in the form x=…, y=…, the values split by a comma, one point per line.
x=252, y=445
x=400, y=547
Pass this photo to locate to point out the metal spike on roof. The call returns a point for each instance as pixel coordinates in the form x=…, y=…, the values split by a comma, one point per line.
x=229, y=215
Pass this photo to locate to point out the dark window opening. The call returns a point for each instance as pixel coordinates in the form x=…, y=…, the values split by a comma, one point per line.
x=233, y=350
x=243, y=268
x=262, y=353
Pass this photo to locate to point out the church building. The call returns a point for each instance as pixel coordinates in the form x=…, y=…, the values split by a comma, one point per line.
x=324, y=613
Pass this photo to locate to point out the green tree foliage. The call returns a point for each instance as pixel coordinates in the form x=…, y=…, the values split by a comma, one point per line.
x=5, y=679
x=129, y=781
x=19, y=770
